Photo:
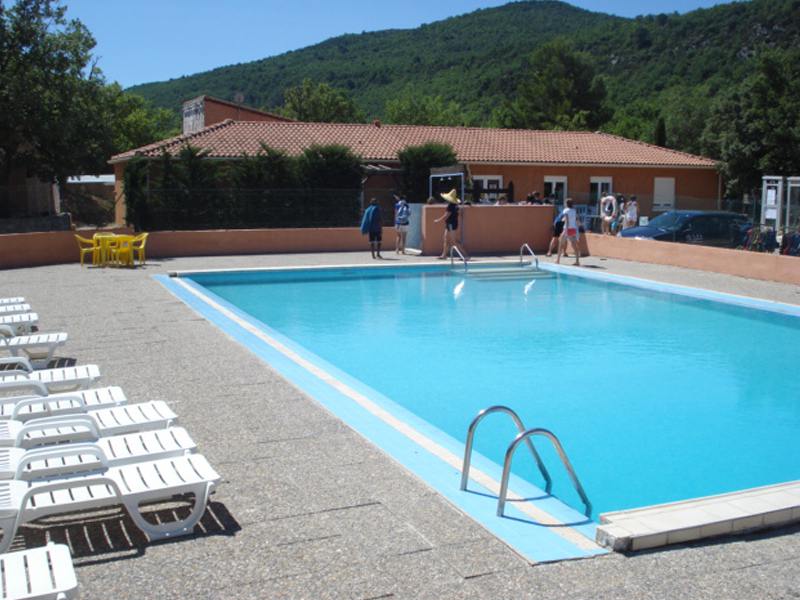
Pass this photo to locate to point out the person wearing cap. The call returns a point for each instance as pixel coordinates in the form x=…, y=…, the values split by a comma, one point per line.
x=608, y=210
x=450, y=218
x=402, y=219
x=372, y=225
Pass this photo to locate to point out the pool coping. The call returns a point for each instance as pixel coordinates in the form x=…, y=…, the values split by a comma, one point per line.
x=631, y=529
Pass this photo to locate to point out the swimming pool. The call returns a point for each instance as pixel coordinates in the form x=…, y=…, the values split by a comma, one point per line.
x=655, y=396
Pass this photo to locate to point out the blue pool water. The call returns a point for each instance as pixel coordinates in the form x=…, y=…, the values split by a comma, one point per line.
x=656, y=397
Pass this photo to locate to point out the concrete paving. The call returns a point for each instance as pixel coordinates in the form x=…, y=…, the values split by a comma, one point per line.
x=307, y=508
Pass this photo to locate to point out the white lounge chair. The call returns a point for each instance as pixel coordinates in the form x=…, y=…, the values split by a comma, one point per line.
x=41, y=405
x=21, y=323
x=89, y=426
x=66, y=459
x=43, y=573
x=13, y=309
x=65, y=379
x=39, y=348
x=14, y=300
x=129, y=485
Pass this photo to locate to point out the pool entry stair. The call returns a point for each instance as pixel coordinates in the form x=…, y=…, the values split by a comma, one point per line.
x=532, y=513
x=527, y=271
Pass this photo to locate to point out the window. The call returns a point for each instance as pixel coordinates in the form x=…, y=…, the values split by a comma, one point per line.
x=489, y=183
x=663, y=193
x=598, y=188
x=555, y=188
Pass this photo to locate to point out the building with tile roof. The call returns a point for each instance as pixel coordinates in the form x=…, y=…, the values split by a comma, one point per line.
x=580, y=164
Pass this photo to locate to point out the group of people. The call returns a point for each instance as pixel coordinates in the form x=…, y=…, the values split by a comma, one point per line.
x=372, y=224
x=618, y=214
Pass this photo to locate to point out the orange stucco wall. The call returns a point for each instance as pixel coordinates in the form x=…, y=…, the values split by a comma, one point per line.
x=484, y=229
x=694, y=188
x=216, y=112
x=755, y=265
x=56, y=247
x=260, y=241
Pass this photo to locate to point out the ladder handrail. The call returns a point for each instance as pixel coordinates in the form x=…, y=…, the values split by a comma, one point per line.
x=457, y=251
x=532, y=253
x=471, y=434
x=524, y=436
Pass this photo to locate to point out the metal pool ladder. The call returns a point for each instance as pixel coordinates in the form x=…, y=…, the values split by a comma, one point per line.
x=461, y=256
x=524, y=435
x=524, y=247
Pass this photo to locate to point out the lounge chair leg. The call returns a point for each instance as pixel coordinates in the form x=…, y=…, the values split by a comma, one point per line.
x=175, y=528
x=9, y=526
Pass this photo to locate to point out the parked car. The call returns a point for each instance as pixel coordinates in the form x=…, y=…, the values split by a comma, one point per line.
x=708, y=228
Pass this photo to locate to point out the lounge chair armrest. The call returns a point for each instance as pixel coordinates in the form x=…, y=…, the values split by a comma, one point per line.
x=27, y=384
x=61, y=452
x=66, y=421
x=24, y=365
x=22, y=361
x=47, y=401
x=67, y=484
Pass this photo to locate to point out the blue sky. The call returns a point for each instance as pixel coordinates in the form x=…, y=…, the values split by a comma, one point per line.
x=153, y=40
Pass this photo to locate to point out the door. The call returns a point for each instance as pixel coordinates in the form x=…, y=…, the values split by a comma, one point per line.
x=555, y=188
x=663, y=194
x=598, y=188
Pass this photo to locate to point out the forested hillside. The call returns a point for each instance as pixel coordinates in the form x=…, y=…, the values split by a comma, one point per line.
x=473, y=59
x=721, y=81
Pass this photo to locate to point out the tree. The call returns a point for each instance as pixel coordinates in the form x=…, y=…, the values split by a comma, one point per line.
x=660, y=134
x=134, y=123
x=267, y=169
x=330, y=167
x=57, y=115
x=413, y=108
x=49, y=89
x=320, y=103
x=755, y=129
x=558, y=91
x=417, y=162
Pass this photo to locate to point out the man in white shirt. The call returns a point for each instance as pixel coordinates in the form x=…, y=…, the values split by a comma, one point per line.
x=570, y=218
x=608, y=211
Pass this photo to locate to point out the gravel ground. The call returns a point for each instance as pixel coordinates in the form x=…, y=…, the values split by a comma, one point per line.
x=307, y=508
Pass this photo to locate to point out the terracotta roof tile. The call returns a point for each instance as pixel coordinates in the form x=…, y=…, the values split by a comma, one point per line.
x=230, y=139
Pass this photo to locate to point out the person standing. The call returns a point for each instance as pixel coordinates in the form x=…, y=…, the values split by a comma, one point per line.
x=570, y=218
x=450, y=218
x=608, y=212
x=372, y=225
x=631, y=213
x=402, y=220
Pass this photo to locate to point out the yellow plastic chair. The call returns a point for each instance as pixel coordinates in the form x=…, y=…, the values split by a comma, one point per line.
x=105, y=242
x=138, y=247
x=122, y=251
x=87, y=246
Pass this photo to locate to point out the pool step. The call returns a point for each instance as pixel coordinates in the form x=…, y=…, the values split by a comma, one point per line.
x=709, y=516
x=509, y=273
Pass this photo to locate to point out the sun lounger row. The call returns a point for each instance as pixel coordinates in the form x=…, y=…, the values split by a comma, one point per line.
x=66, y=446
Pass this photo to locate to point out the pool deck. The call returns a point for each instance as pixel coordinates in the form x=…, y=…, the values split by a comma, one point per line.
x=309, y=509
